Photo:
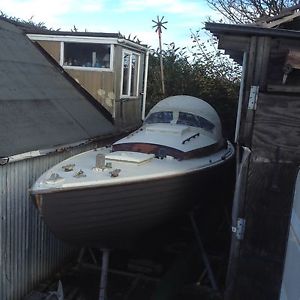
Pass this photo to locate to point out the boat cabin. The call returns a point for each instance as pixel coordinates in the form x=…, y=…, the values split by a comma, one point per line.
x=106, y=65
x=178, y=126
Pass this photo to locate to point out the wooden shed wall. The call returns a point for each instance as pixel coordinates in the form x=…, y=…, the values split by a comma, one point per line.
x=272, y=132
x=53, y=48
x=99, y=84
x=105, y=86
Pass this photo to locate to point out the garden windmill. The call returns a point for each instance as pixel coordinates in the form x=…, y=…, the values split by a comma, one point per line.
x=159, y=24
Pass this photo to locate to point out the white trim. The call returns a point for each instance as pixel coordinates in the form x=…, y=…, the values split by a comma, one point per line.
x=111, y=62
x=43, y=152
x=138, y=75
x=62, y=50
x=85, y=39
x=138, y=55
x=112, y=57
x=145, y=85
x=75, y=39
x=132, y=44
x=129, y=75
x=122, y=74
x=87, y=68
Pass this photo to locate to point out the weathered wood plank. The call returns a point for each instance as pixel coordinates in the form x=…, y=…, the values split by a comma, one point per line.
x=99, y=84
x=267, y=213
x=277, y=127
x=53, y=48
x=283, y=88
x=260, y=57
x=239, y=43
x=248, y=82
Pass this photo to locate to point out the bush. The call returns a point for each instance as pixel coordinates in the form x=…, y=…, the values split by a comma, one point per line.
x=203, y=72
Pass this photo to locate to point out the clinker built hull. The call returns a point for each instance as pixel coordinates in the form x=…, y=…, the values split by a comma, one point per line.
x=113, y=215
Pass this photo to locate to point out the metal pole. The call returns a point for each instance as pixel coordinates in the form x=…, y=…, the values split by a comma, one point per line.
x=203, y=253
x=161, y=63
x=104, y=272
x=145, y=85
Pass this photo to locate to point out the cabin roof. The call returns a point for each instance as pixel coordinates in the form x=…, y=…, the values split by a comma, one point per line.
x=32, y=29
x=39, y=106
x=73, y=33
x=189, y=104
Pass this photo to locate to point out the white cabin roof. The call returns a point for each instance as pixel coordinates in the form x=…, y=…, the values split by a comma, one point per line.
x=188, y=104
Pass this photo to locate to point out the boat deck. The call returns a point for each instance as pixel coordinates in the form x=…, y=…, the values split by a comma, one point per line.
x=128, y=167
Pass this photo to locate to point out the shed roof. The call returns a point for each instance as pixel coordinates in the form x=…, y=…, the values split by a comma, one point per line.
x=235, y=39
x=39, y=107
x=250, y=30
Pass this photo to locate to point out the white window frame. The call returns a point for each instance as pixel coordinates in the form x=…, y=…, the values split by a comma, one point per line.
x=130, y=53
x=62, y=56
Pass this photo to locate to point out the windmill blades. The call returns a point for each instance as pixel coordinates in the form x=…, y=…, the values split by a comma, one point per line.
x=162, y=25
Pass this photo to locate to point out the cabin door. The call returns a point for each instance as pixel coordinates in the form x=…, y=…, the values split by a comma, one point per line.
x=131, y=96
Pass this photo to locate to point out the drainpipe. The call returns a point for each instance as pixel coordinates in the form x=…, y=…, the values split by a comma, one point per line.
x=239, y=112
x=145, y=85
x=241, y=94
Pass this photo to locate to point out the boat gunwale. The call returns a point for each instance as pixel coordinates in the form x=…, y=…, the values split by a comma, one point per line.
x=222, y=160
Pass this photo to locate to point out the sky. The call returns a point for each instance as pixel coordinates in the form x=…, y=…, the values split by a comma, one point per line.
x=125, y=16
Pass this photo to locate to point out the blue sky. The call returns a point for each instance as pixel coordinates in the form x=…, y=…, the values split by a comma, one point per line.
x=127, y=16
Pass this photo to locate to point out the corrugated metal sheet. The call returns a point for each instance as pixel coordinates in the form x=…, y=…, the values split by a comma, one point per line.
x=290, y=289
x=28, y=251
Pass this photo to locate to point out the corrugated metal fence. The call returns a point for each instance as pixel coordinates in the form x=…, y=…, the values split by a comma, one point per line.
x=28, y=251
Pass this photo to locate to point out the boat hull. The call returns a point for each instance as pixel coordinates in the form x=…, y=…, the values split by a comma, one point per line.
x=114, y=216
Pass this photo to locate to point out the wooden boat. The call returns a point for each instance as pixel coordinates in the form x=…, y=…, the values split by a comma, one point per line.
x=107, y=196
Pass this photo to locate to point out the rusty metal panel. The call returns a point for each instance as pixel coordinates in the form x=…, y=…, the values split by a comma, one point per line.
x=28, y=250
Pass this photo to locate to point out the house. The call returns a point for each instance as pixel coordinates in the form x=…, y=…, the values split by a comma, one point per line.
x=268, y=139
x=111, y=68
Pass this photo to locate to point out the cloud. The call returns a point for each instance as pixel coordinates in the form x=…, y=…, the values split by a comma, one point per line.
x=48, y=12
x=181, y=7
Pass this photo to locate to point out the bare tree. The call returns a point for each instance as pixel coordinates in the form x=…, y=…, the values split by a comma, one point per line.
x=247, y=11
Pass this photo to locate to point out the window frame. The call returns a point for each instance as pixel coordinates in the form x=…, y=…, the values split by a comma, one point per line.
x=80, y=68
x=129, y=87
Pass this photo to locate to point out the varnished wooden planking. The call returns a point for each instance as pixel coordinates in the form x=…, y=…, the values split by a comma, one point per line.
x=53, y=48
x=277, y=127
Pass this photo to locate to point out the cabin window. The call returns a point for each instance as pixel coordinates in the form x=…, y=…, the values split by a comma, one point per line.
x=87, y=55
x=160, y=117
x=130, y=74
x=195, y=121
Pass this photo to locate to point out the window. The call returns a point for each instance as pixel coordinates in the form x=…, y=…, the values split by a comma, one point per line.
x=87, y=55
x=130, y=74
x=160, y=117
x=195, y=121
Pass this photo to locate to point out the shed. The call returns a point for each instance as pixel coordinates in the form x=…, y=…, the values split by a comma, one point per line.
x=109, y=67
x=268, y=139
